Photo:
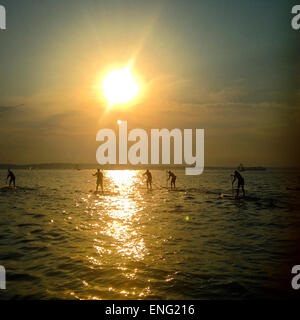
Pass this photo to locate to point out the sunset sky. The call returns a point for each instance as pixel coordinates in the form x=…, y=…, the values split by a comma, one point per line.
x=229, y=67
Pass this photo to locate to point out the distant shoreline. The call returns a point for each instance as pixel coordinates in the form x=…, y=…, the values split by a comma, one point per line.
x=90, y=166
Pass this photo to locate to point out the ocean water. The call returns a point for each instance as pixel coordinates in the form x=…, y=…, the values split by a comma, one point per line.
x=59, y=240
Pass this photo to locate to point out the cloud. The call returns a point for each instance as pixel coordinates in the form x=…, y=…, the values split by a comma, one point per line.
x=5, y=109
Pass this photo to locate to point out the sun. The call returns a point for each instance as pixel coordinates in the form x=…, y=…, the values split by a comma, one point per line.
x=120, y=87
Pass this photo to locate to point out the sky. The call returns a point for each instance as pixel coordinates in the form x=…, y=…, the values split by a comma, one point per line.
x=228, y=67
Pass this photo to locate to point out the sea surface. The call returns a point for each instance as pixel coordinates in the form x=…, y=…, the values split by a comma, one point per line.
x=60, y=240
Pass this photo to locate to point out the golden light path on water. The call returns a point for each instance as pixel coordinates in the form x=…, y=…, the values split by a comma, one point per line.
x=118, y=239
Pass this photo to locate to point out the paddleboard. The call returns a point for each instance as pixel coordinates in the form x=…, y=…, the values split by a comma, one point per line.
x=106, y=193
x=4, y=188
x=176, y=190
x=227, y=195
x=234, y=197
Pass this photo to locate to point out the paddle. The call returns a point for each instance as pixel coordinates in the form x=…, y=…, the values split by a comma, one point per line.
x=232, y=184
x=167, y=181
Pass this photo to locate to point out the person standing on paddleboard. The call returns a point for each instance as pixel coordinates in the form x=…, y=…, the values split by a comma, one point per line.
x=173, y=179
x=99, y=175
x=11, y=177
x=149, y=179
x=241, y=182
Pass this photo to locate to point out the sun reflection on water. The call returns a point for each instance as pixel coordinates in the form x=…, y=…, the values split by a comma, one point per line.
x=123, y=180
x=118, y=226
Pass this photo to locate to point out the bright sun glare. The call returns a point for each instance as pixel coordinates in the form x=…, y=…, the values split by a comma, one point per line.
x=120, y=87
